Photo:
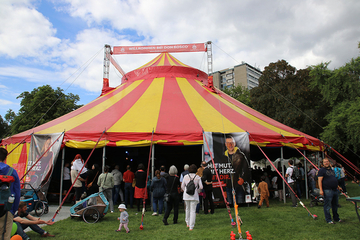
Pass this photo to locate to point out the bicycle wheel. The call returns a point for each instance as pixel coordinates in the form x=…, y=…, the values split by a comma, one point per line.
x=91, y=215
x=39, y=208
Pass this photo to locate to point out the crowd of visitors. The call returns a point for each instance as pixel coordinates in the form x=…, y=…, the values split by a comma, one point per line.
x=194, y=187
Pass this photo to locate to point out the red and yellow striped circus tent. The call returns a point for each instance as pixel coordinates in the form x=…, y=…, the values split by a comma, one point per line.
x=172, y=99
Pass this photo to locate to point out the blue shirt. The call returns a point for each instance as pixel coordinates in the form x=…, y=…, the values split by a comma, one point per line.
x=15, y=186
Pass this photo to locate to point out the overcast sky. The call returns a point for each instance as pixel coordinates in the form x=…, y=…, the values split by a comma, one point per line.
x=60, y=42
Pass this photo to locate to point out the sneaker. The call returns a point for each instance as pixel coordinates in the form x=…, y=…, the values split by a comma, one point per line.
x=128, y=231
x=340, y=221
x=117, y=230
x=154, y=214
x=295, y=206
x=46, y=234
x=112, y=211
x=259, y=206
x=331, y=222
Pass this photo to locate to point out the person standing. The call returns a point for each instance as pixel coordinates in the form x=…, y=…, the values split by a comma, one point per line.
x=191, y=200
x=118, y=178
x=174, y=198
x=163, y=172
x=328, y=185
x=92, y=179
x=289, y=173
x=342, y=179
x=106, y=184
x=208, y=188
x=128, y=178
x=140, y=186
x=66, y=178
x=311, y=176
x=158, y=188
x=264, y=192
x=77, y=185
x=6, y=216
x=186, y=171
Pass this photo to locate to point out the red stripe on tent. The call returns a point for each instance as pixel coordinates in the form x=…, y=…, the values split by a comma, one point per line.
x=111, y=115
x=229, y=113
x=175, y=114
x=267, y=119
x=20, y=136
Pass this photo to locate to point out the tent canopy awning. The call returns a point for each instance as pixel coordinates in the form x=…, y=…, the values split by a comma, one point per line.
x=171, y=99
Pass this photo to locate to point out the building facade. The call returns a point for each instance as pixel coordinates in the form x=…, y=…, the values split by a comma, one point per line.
x=243, y=74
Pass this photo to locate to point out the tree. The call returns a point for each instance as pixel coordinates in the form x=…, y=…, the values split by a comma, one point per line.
x=340, y=89
x=240, y=93
x=41, y=105
x=4, y=128
x=284, y=94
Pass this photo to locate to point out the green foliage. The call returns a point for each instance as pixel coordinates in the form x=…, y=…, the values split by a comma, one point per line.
x=240, y=93
x=284, y=94
x=343, y=130
x=341, y=90
x=4, y=127
x=279, y=221
x=41, y=105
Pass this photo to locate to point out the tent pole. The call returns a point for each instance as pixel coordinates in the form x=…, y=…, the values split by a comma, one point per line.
x=62, y=174
x=103, y=159
x=202, y=153
x=305, y=177
x=152, y=172
x=282, y=169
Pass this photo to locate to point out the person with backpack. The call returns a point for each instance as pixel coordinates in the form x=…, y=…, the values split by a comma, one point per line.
x=191, y=186
x=291, y=174
x=7, y=210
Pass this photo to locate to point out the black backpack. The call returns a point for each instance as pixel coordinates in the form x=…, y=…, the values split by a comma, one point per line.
x=296, y=176
x=190, y=187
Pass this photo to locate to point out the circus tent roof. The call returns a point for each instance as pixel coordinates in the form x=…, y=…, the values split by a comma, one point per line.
x=173, y=100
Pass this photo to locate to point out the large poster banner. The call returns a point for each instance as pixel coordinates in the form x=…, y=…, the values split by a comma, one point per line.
x=43, y=145
x=193, y=47
x=231, y=157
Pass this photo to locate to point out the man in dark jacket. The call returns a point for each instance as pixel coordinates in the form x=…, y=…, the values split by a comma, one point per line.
x=7, y=216
x=208, y=188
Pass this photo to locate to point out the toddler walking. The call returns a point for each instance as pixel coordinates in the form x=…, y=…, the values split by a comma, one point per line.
x=124, y=218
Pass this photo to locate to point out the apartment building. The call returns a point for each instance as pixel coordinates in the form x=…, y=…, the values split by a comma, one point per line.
x=243, y=74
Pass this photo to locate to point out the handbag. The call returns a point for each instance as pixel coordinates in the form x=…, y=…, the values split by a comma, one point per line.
x=167, y=195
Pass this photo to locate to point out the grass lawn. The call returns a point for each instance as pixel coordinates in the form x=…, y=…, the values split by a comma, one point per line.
x=280, y=221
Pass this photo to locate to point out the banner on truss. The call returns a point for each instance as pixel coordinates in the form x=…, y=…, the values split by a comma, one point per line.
x=193, y=47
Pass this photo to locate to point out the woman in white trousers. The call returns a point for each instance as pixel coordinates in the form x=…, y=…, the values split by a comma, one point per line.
x=191, y=200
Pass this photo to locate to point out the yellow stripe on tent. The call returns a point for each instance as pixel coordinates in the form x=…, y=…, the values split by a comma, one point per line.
x=170, y=60
x=140, y=118
x=96, y=110
x=261, y=144
x=162, y=60
x=151, y=62
x=209, y=118
x=252, y=117
x=85, y=144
